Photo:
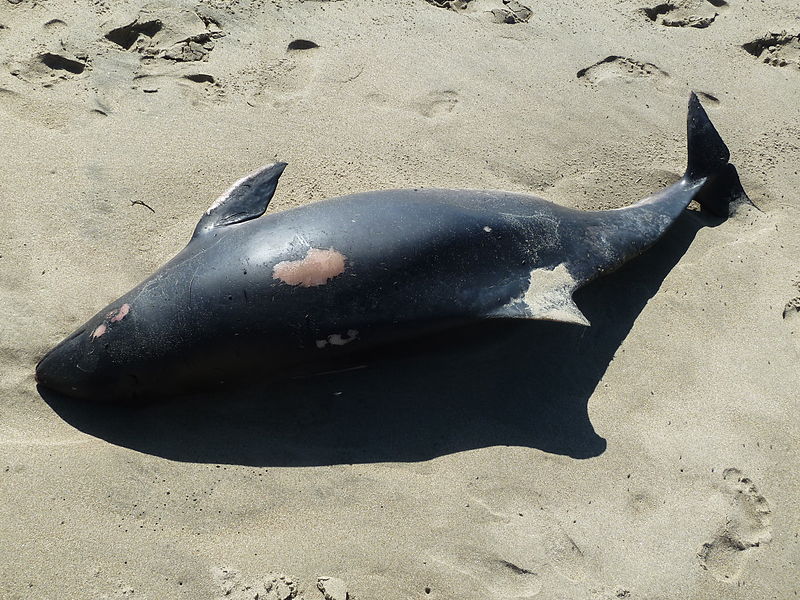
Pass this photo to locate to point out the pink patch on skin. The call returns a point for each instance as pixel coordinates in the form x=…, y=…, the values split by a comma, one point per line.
x=100, y=330
x=121, y=313
x=317, y=268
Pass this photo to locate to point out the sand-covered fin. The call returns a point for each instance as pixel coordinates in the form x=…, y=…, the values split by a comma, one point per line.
x=548, y=297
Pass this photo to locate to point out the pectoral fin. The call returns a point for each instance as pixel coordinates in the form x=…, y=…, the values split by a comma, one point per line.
x=548, y=298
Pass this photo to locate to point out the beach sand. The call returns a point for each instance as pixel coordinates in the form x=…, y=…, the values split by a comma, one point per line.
x=651, y=456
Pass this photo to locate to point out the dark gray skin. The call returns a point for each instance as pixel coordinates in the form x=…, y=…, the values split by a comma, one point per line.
x=254, y=297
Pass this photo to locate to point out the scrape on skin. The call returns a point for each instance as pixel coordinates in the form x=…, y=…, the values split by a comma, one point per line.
x=338, y=339
x=119, y=314
x=316, y=268
x=114, y=316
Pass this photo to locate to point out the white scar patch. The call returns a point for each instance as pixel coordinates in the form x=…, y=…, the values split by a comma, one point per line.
x=549, y=296
x=338, y=339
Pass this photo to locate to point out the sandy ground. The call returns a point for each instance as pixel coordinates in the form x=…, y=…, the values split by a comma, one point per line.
x=654, y=455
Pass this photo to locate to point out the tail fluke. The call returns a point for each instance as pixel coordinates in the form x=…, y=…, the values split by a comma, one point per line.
x=708, y=159
x=708, y=154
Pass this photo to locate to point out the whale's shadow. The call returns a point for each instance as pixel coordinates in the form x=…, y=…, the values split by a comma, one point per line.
x=523, y=383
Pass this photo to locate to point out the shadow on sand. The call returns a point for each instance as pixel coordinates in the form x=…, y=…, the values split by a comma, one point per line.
x=501, y=383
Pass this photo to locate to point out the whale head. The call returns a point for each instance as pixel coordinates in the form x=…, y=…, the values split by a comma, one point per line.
x=84, y=364
x=152, y=341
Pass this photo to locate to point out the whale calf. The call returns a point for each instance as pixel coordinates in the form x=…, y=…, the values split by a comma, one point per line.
x=254, y=296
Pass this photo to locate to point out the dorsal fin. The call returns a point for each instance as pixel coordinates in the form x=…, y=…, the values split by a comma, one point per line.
x=246, y=199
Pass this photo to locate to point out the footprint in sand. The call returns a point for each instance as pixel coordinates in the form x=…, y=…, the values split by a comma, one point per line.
x=170, y=46
x=23, y=106
x=289, y=74
x=234, y=587
x=59, y=53
x=620, y=67
x=747, y=526
x=333, y=588
x=776, y=49
x=494, y=577
x=685, y=13
x=436, y=104
x=513, y=581
x=61, y=62
x=135, y=36
x=49, y=68
x=431, y=105
x=298, y=68
x=508, y=12
x=708, y=98
x=790, y=312
x=169, y=34
x=518, y=552
x=55, y=26
x=791, y=315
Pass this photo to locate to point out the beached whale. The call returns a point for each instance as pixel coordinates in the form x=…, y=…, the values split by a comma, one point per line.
x=255, y=296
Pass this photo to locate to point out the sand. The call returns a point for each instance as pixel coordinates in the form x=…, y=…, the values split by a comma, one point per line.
x=653, y=455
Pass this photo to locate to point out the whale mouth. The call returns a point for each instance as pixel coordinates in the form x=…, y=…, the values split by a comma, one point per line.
x=43, y=373
x=71, y=337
